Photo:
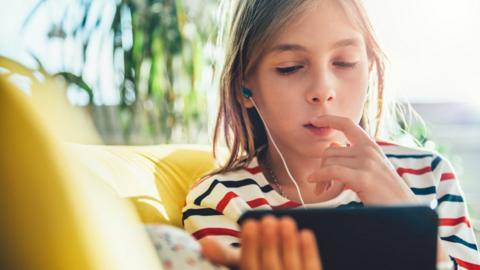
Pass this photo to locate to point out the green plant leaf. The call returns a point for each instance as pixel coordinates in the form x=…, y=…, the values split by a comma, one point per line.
x=78, y=81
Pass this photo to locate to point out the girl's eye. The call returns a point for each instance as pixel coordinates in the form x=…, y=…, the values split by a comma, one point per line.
x=345, y=64
x=288, y=70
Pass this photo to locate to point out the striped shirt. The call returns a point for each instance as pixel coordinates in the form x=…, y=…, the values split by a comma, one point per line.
x=214, y=205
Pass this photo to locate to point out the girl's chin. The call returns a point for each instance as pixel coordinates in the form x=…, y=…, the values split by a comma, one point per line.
x=315, y=149
x=326, y=142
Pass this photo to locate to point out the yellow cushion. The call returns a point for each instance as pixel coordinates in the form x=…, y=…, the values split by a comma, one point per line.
x=52, y=215
x=155, y=178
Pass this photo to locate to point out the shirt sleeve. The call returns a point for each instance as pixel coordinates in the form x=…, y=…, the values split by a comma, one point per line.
x=205, y=215
x=455, y=228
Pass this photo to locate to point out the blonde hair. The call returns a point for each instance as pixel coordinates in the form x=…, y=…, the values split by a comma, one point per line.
x=254, y=23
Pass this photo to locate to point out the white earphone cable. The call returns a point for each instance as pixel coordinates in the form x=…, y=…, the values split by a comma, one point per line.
x=280, y=153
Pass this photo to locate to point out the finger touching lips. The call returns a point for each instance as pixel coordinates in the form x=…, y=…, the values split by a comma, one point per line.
x=352, y=131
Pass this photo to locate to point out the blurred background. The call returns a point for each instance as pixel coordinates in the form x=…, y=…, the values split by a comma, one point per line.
x=433, y=50
x=143, y=70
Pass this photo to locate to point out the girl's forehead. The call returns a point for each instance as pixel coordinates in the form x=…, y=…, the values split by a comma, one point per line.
x=295, y=46
x=325, y=24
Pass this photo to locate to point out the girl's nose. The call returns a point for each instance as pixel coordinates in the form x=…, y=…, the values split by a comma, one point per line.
x=322, y=90
x=320, y=99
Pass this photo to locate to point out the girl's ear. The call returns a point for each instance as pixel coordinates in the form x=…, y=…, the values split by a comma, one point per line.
x=244, y=100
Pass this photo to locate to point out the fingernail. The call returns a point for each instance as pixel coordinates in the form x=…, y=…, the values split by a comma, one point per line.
x=333, y=144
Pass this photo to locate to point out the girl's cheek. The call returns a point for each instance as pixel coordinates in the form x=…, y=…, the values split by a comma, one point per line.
x=354, y=79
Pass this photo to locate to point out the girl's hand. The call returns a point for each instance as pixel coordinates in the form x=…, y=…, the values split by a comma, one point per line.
x=271, y=243
x=277, y=244
x=362, y=167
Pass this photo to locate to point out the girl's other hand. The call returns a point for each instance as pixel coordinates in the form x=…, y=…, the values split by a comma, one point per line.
x=270, y=243
x=276, y=244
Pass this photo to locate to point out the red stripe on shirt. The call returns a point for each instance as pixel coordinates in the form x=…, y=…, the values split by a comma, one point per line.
x=225, y=200
x=262, y=201
x=401, y=171
x=384, y=143
x=215, y=231
x=467, y=265
x=289, y=204
x=453, y=221
x=257, y=202
x=253, y=170
x=447, y=176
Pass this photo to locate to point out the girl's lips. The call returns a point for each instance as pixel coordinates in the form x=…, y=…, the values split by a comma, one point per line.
x=319, y=131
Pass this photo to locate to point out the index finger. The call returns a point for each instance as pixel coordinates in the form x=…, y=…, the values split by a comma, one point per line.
x=354, y=133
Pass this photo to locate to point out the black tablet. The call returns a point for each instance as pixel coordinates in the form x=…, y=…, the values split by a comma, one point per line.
x=373, y=238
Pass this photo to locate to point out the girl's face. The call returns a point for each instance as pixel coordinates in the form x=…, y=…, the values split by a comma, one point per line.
x=317, y=65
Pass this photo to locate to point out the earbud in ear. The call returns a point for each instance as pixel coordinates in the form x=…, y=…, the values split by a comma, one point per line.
x=246, y=92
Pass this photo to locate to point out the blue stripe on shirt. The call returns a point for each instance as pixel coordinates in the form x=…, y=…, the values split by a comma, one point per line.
x=351, y=205
x=435, y=162
x=200, y=212
x=409, y=156
x=458, y=240
x=231, y=184
x=424, y=191
x=450, y=198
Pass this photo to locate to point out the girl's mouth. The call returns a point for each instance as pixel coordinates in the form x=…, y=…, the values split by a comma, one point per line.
x=319, y=131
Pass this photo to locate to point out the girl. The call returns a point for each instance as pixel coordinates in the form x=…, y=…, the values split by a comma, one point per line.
x=301, y=110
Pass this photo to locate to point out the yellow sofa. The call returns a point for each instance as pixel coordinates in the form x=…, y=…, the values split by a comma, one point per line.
x=68, y=205
x=155, y=179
